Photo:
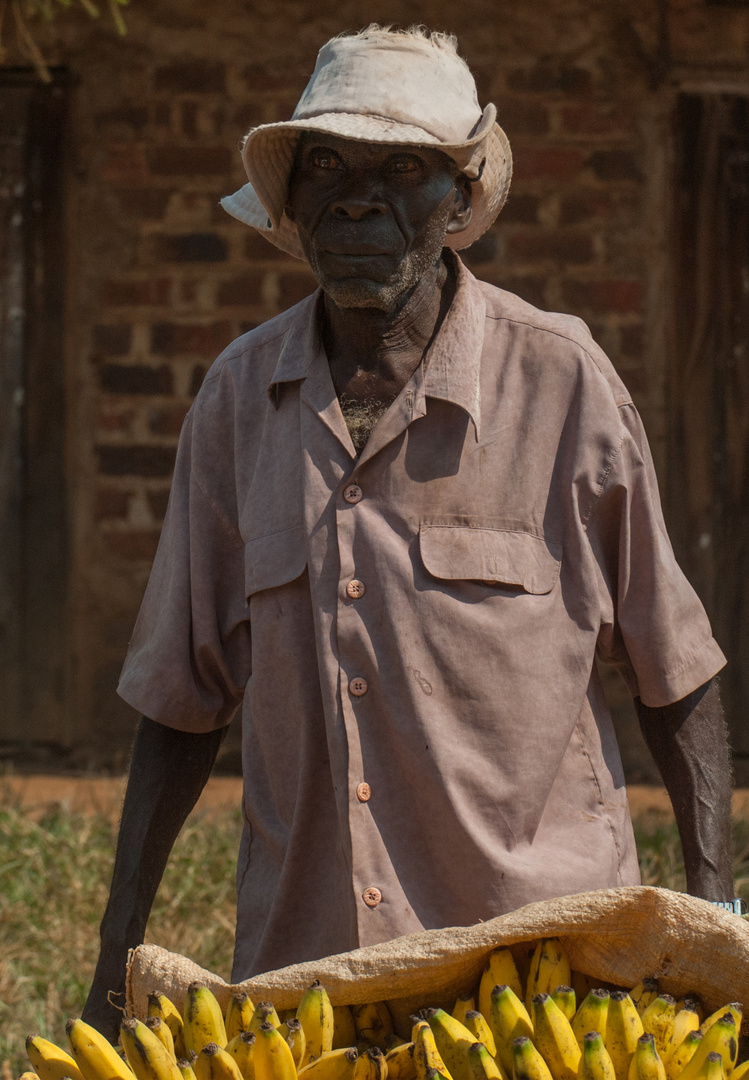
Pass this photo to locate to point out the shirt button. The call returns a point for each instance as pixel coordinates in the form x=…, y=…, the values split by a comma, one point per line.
x=363, y=792
x=352, y=493
x=355, y=589
x=371, y=896
x=358, y=687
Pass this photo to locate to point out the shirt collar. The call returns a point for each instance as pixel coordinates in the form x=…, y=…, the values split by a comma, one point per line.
x=301, y=345
x=452, y=366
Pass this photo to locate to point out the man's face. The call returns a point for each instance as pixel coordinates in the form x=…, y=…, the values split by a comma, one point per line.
x=372, y=217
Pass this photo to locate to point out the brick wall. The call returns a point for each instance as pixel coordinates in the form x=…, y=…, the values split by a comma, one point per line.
x=161, y=279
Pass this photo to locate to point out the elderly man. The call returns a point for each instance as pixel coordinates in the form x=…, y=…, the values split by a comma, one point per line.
x=405, y=517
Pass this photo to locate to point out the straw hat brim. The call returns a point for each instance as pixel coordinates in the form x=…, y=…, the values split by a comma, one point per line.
x=268, y=155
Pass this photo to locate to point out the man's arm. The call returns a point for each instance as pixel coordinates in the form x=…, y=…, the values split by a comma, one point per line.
x=168, y=771
x=689, y=744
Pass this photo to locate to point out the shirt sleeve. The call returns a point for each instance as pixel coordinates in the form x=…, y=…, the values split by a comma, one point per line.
x=654, y=629
x=190, y=658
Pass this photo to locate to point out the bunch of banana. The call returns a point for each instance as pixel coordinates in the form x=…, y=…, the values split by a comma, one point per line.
x=531, y=1017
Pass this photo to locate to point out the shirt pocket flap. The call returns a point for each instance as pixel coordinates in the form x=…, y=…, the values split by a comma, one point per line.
x=273, y=560
x=495, y=556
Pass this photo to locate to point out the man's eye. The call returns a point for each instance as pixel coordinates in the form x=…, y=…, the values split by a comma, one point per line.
x=404, y=165
x=322, y=159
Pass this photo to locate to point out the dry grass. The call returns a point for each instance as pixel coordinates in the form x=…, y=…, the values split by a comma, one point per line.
x=54, y=877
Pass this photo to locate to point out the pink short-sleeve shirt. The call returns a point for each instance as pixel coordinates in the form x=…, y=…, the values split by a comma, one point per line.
x=412, y=634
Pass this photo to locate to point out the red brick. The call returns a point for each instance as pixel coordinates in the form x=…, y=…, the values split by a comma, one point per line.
x=151, y=461
x=614, y=165
x=256, y=247
x=584, y=206
x=110, y=504
x=162, y=114
x=188, y=292
x=111, y=418
x=147, y=203
x=135, y=379
x=553, y=163
x=137, y=546
x=192, y=77
x=483, y=250
x=157, y=502
x=125, y=165
x=550, y=75
x=189, y=247
x=116, y=293
x=622, y=297
x=189, y=116
x=171, y=160
x=520, y=116
x=294, y=287
x=243, y=290
x=248, y=115
x=260, y=78
x=520, y=208
x=132, y=116
x=112, y=340
x=530, y=288
x=558, y=245
x=591, y=119
x=167, y=420
x=196, y=378
x=632, y=339
x=205, y=339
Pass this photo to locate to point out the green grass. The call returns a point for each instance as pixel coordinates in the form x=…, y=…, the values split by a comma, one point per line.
x=54, y=877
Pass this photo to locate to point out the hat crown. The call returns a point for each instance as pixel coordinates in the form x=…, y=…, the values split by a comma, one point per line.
x=399, y=77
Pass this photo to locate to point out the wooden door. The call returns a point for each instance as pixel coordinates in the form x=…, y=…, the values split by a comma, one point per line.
x=708, y=477
x=33, y=533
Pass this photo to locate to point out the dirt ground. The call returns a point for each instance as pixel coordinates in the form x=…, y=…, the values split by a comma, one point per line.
x=103, y=795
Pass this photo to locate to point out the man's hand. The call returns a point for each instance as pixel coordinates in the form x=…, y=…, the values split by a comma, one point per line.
x=689, y=744
x=168, y=771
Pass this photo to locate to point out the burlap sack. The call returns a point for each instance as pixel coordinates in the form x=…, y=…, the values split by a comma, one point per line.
x=616, y=935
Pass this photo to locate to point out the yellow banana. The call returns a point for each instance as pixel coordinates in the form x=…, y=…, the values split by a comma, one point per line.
x=500, y=970
x=293, y=1033
x=273, y=1058
x=94, y=1055
x=238, y=1014
x=564, y=998
x=316, y=1015
x=453, y=1040
x=163, y=1033
x=28, y=1076
x=202, y=1018
x=371, y=1065
x=692, y=1002
x=549, y=968
x=344, y=1028
x=508, y=1019
x=552, y=1034
x=390, y=1042
x=372, y=1021
x=337, y=1064
x=400, y=1062
x=721, y=1037
x=642, y=994
x=215, y=1063
x=645, y=1063
x=146, y=1054
x=242, y=1049
x=592, y=1015
x=481, y=1064
x=623, y=1029
x=185, y=1067
x=658, y=1018
x=527, y=1062
x=49, y=1061
x=686, y=1020
x=463, y=1004
x=734, y=1008
x=679, y=1058
x=264, y=1010
x=160, y=1005
x=740, y=1071
x=712, y=1068
x=426, y=1055
x=595, y=1061
x=478, y=1026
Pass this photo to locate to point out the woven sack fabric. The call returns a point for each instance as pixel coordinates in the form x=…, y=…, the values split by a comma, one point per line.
x=616, y=935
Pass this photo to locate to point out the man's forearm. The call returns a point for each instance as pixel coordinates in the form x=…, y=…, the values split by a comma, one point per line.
x=688, y=742
x=168, y=771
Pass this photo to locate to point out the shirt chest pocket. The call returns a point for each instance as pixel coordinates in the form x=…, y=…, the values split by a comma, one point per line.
x=501, y=558
x=274, y=560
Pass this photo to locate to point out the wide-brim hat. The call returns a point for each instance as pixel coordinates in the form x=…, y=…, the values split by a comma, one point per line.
x=380, y=86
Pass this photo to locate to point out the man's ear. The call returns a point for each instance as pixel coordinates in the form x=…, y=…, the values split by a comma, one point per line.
x=462, y=209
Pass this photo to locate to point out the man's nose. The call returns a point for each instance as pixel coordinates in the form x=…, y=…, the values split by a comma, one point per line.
x=358, y=205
